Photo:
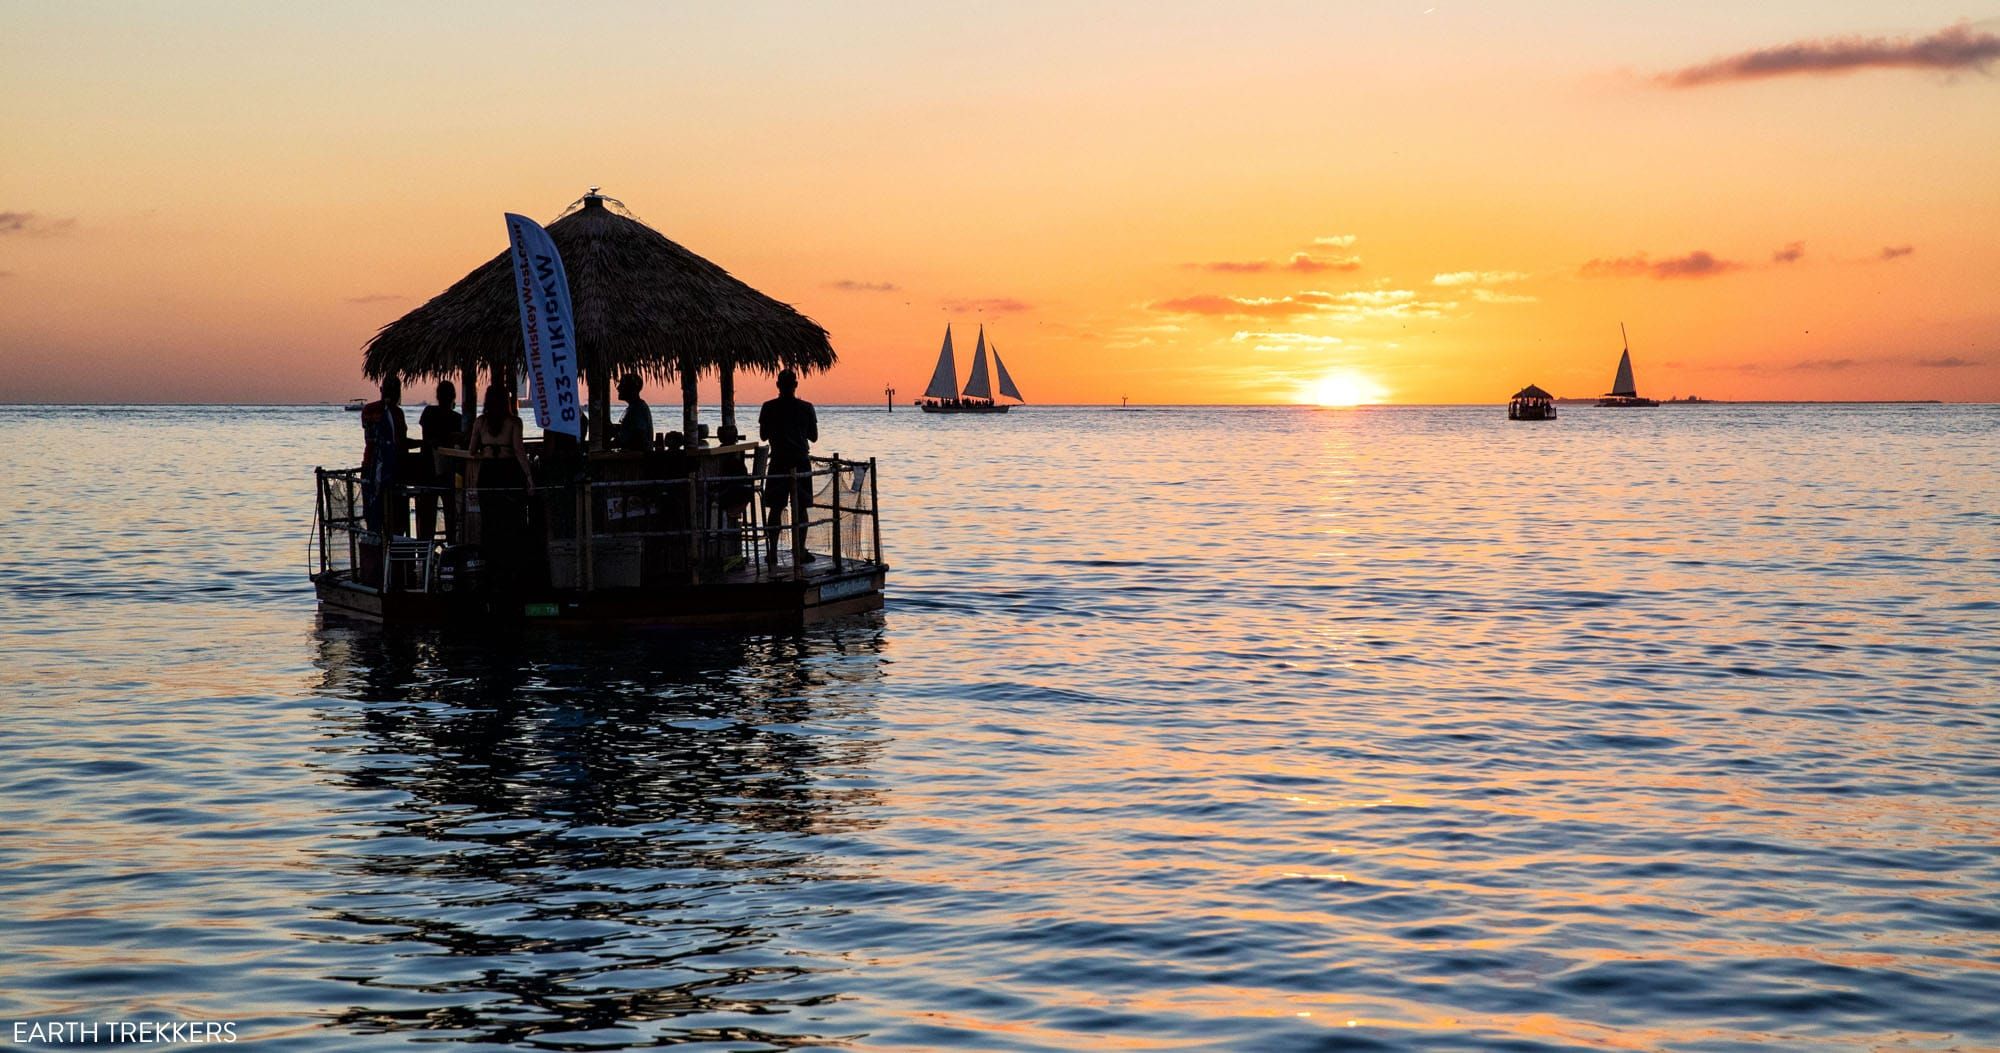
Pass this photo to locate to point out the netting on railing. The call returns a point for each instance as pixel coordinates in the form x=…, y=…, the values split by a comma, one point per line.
x=342, y=495
x=340, y=520
x=843, y=494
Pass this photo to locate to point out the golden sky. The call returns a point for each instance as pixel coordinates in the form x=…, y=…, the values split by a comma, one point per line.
x=1184, y=203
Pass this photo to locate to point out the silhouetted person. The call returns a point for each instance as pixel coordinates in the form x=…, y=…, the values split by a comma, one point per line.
x=440, y=427
x=384, y=430
x=789, y=424
x=733, y=491
x=635, y=430
x=497, y=484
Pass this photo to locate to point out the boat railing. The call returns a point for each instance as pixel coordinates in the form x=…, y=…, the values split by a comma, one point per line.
x=596, y=534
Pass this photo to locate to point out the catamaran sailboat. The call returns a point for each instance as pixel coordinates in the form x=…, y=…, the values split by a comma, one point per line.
x=944, y=396
x=1624, y=394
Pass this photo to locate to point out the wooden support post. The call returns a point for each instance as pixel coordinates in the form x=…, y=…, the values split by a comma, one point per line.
x=875, y=510
x=690, y=398
x=600, y=410
x=727, y=375
x=468, y=382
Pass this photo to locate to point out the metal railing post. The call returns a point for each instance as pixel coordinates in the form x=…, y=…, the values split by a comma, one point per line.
x=834, y=492
x=801, y=511
x=319, y=513
x=353, y=538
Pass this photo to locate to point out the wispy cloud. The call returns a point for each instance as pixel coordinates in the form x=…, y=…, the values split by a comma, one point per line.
x=1334, y=241
x=850, y=285
x=1384, y=305
x=1478, y=277
x=1482, y=279
x=1620, y=267
x=1301, y=263
x=1132, y=336
x=1235, y=306
x=1793, y=252
x=1895, y=252
x=34, y=224
x=1821, y=365
x=1308, y=264
x=1696, y=264
x=1831, y=365
x=1357, y=306
x=1957, y=47
x=1373, y=297
x=992, y=304
x=1286, y=339
x=380, y=297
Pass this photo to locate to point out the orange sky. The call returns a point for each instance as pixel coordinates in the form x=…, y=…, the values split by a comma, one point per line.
x=1430, y=201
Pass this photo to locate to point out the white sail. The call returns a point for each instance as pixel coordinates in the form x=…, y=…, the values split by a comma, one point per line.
x=1007, y=387
x=979, y=385
x=944, y=382
x=1623, y=385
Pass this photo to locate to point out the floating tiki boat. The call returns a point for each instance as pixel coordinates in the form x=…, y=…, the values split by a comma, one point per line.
x=675, y=533
x=1624, y=394
x=943, y=395
x=356, y=405
x=1532, y=403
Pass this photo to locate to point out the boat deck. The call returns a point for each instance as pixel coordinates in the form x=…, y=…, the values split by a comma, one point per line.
x=745, y=598
x=655, y=550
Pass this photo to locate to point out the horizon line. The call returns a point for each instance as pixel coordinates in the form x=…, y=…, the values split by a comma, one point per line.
x=1096, y=405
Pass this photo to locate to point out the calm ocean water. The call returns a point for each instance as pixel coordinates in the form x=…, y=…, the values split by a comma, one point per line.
x=1256, y=729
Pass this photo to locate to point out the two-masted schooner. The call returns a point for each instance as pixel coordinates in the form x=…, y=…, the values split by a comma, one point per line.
x=1624, y=394
x=944, y=396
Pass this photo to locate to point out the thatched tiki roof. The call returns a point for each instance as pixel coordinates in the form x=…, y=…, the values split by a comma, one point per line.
x=643, y=304
x=1532, y=392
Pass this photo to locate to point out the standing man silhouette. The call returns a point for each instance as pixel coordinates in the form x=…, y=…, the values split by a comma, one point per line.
x=635, y=431
x=441, y=429
x=789, y=424
x=385, y=431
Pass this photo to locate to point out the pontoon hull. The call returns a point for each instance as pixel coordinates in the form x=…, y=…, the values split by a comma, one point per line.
x=778, y=604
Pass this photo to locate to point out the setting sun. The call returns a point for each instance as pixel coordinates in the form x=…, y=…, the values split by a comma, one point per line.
x=1342, y=388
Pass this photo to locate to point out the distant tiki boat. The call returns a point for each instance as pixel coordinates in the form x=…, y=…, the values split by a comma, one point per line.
x=1532, y=403
x=1624, y=394
x=943, y=395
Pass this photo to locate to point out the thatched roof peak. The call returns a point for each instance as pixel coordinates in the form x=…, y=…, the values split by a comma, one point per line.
x=1532, y=392
x=643, y=304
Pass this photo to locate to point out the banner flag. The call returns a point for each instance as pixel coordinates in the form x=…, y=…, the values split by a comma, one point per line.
x=542, y=289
